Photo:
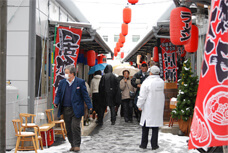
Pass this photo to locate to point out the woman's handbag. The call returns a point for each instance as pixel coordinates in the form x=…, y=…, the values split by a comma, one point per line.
x=131, y=93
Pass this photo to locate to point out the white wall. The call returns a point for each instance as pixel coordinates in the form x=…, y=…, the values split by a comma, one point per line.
x=18, y=42
x=17, y=48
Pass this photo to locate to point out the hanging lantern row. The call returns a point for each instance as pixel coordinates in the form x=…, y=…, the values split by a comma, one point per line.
x=91, y=57
x=124, y=28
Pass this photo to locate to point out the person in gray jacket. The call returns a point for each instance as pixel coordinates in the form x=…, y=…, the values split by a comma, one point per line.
x=127, y=102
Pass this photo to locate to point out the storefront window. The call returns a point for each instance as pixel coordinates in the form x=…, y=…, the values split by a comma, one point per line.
x=135, y=38
x=105, y=37
x=116, y=37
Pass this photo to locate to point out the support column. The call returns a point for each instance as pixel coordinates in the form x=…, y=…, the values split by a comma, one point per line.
x=3, y=45
x=32, y=56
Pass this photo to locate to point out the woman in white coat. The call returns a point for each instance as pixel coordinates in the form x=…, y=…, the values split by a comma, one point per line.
x=151, y=102
x=98, y=107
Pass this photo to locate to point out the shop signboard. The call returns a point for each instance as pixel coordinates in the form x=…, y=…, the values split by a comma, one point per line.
x=66, y=52
x=210, y=120
x=168, y=60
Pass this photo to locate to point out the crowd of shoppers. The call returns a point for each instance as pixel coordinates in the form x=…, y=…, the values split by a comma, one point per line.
x=144, y=92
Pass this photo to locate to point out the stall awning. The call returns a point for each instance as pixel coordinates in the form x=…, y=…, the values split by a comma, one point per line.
x=91, y=40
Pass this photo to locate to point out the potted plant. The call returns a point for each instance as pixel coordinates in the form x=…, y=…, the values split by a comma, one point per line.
x=186, y=98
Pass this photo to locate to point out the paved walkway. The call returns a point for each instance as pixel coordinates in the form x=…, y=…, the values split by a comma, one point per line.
x=120, y=138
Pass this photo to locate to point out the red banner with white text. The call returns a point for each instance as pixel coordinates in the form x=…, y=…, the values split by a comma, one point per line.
x=210, y=120
x=66, y=52
x=169, y=60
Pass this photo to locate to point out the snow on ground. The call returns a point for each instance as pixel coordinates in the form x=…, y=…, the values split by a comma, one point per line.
x=121, y=138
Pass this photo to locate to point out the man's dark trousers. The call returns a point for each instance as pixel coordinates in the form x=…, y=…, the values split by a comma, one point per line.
x=72, y=126
x=113, y=113
x=154, y=137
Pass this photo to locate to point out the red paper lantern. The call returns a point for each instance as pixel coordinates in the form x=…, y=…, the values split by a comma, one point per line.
x=124, y=29
x=91, y=56
x=118, y=46
x=115, y=52
x=122, y=55
x=100, y=59
x=126, y=15
x=121, y=38
x=133, y=1
x=180, y=25
x=131, y=63
x=118, y=49
x=121, y=44
x=155, y=54
x=192, y=46
x=183, y=54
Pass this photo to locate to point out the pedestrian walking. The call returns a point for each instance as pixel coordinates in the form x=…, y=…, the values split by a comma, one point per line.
x=127, y=101
x=70, y=98
x=98, y=106
x=151, y=102
x=136, y=82
x=108, y=88
x=119, y=99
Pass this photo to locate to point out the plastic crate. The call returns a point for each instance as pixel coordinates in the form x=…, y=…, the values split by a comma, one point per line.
x=50, y=137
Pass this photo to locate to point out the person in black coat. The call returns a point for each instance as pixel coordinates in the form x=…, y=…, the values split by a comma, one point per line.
x=136, y=82
x=108, y=89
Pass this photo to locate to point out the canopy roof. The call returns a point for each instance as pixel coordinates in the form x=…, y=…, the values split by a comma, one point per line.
x=91, y=40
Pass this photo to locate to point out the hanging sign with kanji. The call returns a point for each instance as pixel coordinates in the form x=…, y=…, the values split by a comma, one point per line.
x=66, y=52
x=210, y=120
x=168, y=57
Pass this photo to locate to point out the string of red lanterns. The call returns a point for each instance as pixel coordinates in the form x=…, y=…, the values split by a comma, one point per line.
x=124, y=28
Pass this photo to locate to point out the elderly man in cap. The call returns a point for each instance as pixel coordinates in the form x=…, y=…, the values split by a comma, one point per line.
x=151, y=102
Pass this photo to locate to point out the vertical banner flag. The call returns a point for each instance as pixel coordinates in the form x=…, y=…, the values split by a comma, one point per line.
x=210, y=120
x=169, y=59
x=66, y=52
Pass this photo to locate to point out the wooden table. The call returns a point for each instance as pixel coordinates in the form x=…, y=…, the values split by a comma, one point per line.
x=44, y=128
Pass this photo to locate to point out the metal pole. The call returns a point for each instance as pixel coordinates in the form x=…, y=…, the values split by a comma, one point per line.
x=3, y=44
x=32, y=56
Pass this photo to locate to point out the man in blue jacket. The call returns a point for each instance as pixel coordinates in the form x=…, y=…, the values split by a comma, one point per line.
x=70, y=98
